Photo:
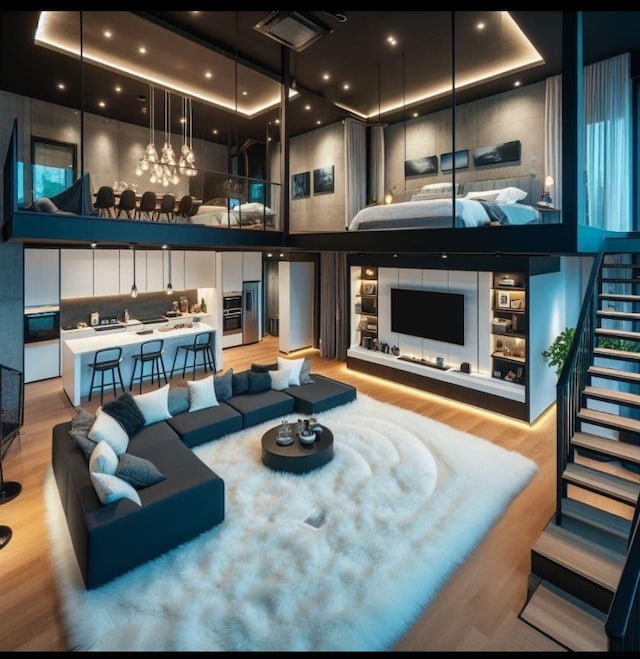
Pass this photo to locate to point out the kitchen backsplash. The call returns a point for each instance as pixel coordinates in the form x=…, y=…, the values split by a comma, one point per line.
x=146, y=305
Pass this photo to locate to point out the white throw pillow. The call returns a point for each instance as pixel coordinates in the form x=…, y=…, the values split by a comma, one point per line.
x=483, y=195
x=154, y=405
x=106, y=428
x=202, y=394
x=280, y=378
x=103, y=459
x=111, y=488
x=294, y=366
x=510, y=195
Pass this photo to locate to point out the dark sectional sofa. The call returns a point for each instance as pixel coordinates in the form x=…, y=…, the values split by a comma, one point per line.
x=111, y=539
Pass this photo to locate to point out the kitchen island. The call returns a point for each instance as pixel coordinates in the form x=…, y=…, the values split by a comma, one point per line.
x=78, y=354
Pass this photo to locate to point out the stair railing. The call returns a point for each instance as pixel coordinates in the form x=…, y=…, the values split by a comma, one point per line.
x=573, y=378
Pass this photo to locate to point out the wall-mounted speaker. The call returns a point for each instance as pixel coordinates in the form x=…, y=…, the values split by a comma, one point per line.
x=465, y=367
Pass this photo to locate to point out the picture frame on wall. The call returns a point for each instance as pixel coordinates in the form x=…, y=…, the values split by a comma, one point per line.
x=461, y=159
x=497, y=154
x=421, y=166
x=323, y=180
x=300, y=185
x=504, y=300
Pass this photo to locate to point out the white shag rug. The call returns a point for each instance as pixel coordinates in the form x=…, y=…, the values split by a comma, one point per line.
x=344, y=558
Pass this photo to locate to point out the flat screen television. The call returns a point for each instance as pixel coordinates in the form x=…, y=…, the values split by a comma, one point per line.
x=428, y=314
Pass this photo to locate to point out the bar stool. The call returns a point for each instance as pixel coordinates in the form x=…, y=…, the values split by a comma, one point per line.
x=106, y=359
x=150, y=351
x=202, y=345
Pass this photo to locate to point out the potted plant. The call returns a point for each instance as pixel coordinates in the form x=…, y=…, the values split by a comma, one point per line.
x=556, y=354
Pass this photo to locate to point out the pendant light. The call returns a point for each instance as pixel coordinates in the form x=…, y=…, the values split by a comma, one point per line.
x=149, y=160
x=134, y=288
x=169, y=285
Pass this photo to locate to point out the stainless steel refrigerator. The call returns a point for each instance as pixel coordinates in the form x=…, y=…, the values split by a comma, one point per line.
x=250, y=312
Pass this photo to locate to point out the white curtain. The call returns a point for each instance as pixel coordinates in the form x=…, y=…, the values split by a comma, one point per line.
x=355, y=167
x=553, y=138
x=376, y=159
x=607, y=143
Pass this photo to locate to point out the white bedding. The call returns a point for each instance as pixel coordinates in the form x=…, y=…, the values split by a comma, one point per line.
x=436, y=214
x=243, y=215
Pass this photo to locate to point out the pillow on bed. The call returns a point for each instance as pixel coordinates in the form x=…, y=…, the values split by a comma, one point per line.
x=483, y=195
x=441, y=188
x=254, y=207
x=510, y=195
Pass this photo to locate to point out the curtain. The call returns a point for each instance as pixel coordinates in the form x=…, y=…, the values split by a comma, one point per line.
x=553, y=138
x=607, y=143
x=355, y=167
x=333, y=317
x=376, y=159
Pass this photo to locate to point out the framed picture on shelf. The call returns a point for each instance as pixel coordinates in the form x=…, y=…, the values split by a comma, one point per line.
x=504, y=300
x=369, y=289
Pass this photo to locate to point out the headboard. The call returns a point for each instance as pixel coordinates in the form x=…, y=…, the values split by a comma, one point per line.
x=532, y=185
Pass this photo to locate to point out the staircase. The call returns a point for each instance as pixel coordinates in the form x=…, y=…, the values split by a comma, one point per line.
x=583, y=585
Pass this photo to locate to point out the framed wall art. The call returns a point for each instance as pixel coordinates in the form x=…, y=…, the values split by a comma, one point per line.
x=497, y=154
x=323, y=180
x=421, y=166
x=300, y=185
x=461, y=159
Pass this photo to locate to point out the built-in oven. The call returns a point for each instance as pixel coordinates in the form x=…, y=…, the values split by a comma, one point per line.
x=41, y=324
x=232, y=313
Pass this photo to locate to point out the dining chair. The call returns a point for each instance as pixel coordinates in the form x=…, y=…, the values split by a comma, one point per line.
x=167, y=207
x=105, y=202
x=127, y=203
x=185, y=208
x=147, y=206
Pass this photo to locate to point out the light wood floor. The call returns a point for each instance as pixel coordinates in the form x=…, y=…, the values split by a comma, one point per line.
x=475, y=611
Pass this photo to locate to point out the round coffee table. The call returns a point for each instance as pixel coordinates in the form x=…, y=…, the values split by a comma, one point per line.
x=297, y=458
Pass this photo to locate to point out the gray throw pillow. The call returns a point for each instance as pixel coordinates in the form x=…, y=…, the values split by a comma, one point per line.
x=305, y=377
x=126, y=412
x=259, y=382
x=240, y=383
x=223, y=385
x=80, y=426
x=137, y=471
x=261, y=368
x=178, y=400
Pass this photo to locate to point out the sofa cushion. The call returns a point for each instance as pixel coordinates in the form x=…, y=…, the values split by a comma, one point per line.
x=137, y=471
x=126, y=412
x=258, y=382
x=267, y=405
x=195, y=428
x=322, y=395
x=224, y=385
x=202, y=394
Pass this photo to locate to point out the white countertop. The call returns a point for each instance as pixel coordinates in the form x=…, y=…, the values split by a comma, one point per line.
x=92, y=343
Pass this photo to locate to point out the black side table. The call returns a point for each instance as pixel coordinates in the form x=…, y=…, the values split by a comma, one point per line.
x=297, y=458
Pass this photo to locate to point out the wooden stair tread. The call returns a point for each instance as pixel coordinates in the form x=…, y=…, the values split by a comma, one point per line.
x=622, y=315
x=590, y=560
x=609, y=420
x=596, y=518
x=613, y=395
x=612, y=353
x=572, y=623
x=606, y=372
x=610, y=485
x=618, y=333
x=621, y=297
x=607, y=446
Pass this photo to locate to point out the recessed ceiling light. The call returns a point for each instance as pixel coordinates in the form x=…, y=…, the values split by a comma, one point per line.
x=61, y=85
x=391, y=40
x=346, y=86
x=307, y=107
x=318, y=122
x=102, y=104
x=142, y=50
x=208, y=74
x=118, y=89
x=214, y=131
x=245, y=93
x=480, y=26
x=414, y=114
x=326, y=76
x=517, y=83
x=107, y=34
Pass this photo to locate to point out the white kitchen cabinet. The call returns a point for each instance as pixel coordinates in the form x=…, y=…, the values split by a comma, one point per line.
x=252, y=266
x=76, y=273
x=232, y=272
x=41, y=277
x=126, y=270
x=156, y=280
x=41, y=360
x=199, y=269
x=106, y=272
x=177, y=269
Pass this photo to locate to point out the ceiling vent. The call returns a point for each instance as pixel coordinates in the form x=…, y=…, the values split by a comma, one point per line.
x=294, y=29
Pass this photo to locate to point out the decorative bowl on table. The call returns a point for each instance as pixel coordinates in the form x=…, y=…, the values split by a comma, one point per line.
x=307, y=437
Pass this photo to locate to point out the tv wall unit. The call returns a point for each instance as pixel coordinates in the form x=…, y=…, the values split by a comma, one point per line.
x=506, y=372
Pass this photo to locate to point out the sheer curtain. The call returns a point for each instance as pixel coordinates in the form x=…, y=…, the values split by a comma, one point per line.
x=607, y=142
x=376, y=159
x=333, y=316
x=355, y=167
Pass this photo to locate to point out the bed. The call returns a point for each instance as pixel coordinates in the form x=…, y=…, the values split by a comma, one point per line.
x=215, y=213
x=497, y=202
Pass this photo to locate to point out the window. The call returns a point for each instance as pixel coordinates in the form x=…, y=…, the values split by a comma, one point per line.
x=54, y=166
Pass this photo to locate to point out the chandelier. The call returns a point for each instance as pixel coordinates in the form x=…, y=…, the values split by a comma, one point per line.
x=187, y=161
